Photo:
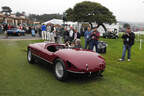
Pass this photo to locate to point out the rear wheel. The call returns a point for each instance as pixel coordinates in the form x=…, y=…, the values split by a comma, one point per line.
x=30, y=57
x=23, y=34
x=19, y=34
x=98, y=74
x=60, y=71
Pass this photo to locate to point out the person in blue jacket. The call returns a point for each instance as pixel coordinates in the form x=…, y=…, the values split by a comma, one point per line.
x=43, y=28
x=86, y=36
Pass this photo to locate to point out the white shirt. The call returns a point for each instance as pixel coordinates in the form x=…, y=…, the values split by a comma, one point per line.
x=71, y=33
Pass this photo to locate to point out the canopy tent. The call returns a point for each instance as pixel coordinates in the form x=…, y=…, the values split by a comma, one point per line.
x=54, y=21
x=71, y=23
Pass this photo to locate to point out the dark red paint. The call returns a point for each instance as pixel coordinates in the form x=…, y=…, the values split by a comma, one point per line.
x=76, y=60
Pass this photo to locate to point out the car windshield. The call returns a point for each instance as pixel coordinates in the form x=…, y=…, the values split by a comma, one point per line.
x=60, y=47
x=14, y=29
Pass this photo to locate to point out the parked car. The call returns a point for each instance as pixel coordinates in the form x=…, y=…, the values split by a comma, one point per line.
x=16, y=31
x=102, y=47
x=111, y=35
x=65, y=60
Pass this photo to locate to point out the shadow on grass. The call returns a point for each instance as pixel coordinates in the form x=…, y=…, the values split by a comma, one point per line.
x=72, y=78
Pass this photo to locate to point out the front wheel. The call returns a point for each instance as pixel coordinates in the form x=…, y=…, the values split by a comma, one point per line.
x=60, y=71
x=30, y=57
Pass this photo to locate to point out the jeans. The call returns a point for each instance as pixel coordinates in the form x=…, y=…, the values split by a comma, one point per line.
x=126, y=47
x=86, y=44
x=94, y=43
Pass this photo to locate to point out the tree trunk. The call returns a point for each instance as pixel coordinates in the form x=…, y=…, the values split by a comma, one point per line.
x=98, y=25
x=104, y=27
x=91, y=25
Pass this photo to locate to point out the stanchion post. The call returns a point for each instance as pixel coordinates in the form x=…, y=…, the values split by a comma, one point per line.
x=140, y=44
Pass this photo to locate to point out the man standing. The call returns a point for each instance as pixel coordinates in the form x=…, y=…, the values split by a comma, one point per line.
x=48, y=33
x=128, y=41
x=66, y=35
x=5, y=30
x=76, y=35
x=94, y=37
x=71, y=31
x=87, y=37
x=43, y=28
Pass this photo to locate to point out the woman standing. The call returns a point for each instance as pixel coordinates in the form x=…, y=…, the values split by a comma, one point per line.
x=94, y=38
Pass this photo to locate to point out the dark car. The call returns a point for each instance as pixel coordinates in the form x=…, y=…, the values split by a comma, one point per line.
x=65, y=60
x=111, y=34
x=16, y=31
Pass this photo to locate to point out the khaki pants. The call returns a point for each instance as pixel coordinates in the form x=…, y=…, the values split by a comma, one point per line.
x=43, y=35
x=52, y=37
x=48, y=36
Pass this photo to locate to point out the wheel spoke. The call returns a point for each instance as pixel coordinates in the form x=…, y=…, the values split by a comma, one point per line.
x=29, y=55
x=59, y=69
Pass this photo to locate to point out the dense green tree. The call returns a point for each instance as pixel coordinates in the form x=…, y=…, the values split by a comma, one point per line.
x=126, y=25
x=90, y=12
x=18, y=14
x=6, y=10
x=44, y=17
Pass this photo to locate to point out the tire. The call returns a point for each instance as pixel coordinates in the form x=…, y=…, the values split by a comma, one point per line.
x=60, y=70
x=19, y=34
x=30, y=57
x=98, y=74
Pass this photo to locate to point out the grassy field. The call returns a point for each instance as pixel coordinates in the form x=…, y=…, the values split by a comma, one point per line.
x=18, y=78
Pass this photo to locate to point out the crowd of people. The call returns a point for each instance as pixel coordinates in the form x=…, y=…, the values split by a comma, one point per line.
x=28, y=29
x=57, y=33
x=71, y=36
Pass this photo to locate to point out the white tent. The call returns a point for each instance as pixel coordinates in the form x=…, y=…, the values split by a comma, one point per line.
x=71, y=23
x=54, y=21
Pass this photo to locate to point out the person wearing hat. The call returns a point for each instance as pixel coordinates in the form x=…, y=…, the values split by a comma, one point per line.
x=128, y=41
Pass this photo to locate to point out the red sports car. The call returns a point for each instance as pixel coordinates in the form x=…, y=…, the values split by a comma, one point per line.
x=66, y=60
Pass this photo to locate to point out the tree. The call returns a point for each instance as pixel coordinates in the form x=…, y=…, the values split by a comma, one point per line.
x=6, y=10
x=44, y=17
x=126, y=25
x=20, y=13
x=69, y=15
x=90, y=12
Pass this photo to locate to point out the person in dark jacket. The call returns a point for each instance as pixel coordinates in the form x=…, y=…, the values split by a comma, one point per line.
x=5, y=30
x=66, y=35
x=128, y=42
x=94, y=38
x=76, y=35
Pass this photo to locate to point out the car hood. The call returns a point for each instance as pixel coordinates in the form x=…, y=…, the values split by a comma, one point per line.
x=16, y=30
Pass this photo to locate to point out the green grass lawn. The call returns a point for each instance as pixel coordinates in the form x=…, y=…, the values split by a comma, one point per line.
x=18, y=78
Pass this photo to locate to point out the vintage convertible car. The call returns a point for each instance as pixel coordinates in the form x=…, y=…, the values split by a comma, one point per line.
x=15, y=31
x=66, y=60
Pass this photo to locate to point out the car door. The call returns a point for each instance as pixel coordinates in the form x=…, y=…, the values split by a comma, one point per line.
x=47, y=55
x=36, y=51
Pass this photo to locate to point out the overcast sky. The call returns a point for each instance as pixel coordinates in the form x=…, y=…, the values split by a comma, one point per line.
x=124, y=10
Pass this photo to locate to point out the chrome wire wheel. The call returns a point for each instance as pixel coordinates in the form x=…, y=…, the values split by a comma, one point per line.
x=59, y=70
x=29, y=55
